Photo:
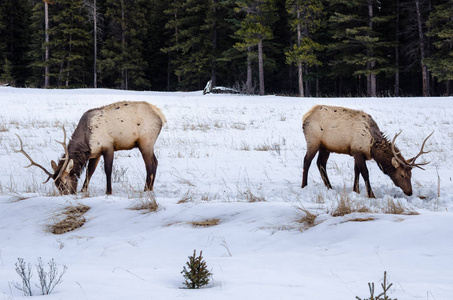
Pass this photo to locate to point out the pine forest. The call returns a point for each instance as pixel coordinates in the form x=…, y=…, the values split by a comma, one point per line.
x=305, y=48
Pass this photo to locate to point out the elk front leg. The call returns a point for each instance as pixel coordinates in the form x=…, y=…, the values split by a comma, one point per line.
x=108, y=166
x=92, y=164
x=356, y=187
x=361, y=165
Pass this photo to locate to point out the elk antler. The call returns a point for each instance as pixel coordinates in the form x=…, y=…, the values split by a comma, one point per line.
x=32, y=163
x=66, y=154
x=412, y=161
x=395, y=154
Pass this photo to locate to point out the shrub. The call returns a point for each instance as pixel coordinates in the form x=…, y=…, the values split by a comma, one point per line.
x=196, y=274
x=48, y=280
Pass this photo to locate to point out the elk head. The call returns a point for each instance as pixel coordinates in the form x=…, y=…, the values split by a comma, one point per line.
x=64, y=180
x=402, y=172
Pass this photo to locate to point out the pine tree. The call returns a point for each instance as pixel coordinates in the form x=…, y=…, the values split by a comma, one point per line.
x=193, y=41
x=7, y=76
x=196, y=275
x=441, y=29
x=359, y=46
x=122, y=62
x=70, y=43
x=256, y=27
x=36, y=53
x=306, y=19
x=14, y=36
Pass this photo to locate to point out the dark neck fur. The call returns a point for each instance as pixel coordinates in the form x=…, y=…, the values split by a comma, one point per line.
x=381, y=152
x=79, y=145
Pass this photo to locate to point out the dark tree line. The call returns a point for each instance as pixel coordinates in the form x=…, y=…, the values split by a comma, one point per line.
x=295, y=47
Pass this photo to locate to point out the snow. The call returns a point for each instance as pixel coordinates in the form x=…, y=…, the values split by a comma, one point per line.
x=215, y=152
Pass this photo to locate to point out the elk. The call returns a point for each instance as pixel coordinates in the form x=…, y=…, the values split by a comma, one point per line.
x=100, y=132
x=346, y=131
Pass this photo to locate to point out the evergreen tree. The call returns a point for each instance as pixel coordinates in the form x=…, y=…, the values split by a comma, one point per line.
x=35, y=54
x=358, y=46
x=441, y=29
x=122, y=64
x=306, y=19
x=7, y=76
x=14, y=36
x=193, y=43
x=256, y=27
x=70, y=43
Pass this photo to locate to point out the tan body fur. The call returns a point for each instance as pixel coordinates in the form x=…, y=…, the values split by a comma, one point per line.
x=339, y=129
x=124, y=125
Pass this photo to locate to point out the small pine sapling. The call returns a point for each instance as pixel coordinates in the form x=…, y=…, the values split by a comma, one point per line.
x=381, y=296
x=196, y=274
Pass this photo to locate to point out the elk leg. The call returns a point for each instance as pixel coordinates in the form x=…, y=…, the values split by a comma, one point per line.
x=151, y=168
x=356, y=178
x=307, y=162
x=108, y=166
x=92, y=164
x=323, y=156
x=361, y=165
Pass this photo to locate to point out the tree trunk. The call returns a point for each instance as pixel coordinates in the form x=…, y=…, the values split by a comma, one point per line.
x=299, y=66
x=46, y=40
x=425, y=79
x=214, y=46
x=371, y=78
x=95, y=33
x=248, y=84
x=261, y=66
x=397, y=51
x=124, y=83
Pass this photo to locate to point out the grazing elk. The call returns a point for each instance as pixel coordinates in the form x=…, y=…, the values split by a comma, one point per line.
x=341, y=130
x=101, y=132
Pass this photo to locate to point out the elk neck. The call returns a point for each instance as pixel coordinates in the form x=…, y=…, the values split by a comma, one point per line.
x=381, y=152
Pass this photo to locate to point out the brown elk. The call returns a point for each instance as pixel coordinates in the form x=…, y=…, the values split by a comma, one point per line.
x=341, y=130
x=100, y=132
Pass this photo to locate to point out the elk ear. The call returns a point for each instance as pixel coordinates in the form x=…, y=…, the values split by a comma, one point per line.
x=395, y=163
x=54, y=165
x=70, y=166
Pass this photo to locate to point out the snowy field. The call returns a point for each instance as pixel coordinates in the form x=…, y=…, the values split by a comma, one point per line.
x=236, y=160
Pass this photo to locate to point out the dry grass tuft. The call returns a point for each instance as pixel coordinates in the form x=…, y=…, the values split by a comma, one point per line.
x=308, y=220
x=394, y=207
x=361, y=219
x=147, y=203
x=344, y=206
x=206, y=223
x=187, y=197
x=74, y=219
x=250, y=197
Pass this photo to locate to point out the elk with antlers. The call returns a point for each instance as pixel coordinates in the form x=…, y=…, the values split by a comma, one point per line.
x=341, y=130
x=101, y=132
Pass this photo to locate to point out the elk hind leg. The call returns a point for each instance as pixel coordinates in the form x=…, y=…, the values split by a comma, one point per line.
x=151, y=167
x=323, y=156
x=92, y=164
x=311, y=152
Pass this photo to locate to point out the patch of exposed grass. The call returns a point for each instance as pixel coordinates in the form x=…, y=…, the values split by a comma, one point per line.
x=74, y=218
x=205, y=223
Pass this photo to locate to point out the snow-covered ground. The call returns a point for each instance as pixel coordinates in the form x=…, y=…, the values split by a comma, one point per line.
x=237, y=159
